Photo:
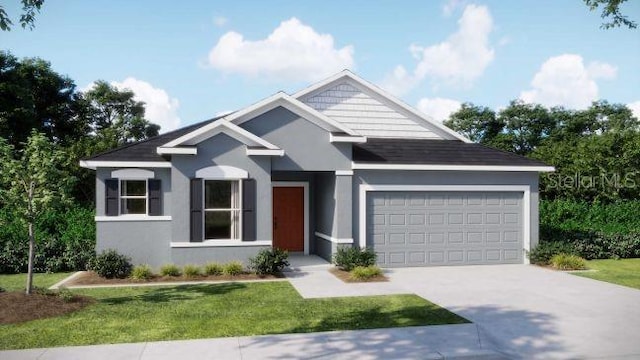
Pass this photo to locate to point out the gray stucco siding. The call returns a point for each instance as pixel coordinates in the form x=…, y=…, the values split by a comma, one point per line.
x=415, y=177
x=219, y=254
x=146, y=242
x=216, y=151
x=306, y=145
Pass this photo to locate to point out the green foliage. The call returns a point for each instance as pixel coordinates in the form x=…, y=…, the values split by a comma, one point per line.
x=568, y=262
x=109, y=264
x=347, y=258
x=170, y=270
x=560, y=217
x=475, y=122
x=141, y=272
x=191, y=271
x=611, y=11
x=364, y=273
x=269, y=261
x=65, y=294
x=27, y=19
x=233, y=268
x=2, y=290
x=545, y=250
x=213, y=268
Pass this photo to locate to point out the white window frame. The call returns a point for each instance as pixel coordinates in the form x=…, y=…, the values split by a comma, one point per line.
x=125, y=197
x=239, y=210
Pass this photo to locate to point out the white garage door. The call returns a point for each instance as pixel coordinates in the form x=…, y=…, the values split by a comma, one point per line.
x=430, y=228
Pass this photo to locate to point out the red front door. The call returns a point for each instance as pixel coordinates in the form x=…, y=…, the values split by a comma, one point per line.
x=288, y=218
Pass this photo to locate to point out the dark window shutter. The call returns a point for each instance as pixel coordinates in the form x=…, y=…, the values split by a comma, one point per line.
x=155, y=197
x=196, y=211
x=248, y=210
x=111, y=197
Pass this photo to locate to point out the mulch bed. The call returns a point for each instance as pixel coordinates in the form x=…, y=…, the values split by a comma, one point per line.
x=346, y=277
x=17, y=307
x=91, y=278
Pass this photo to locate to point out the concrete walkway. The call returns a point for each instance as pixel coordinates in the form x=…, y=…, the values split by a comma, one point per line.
x=429, y=342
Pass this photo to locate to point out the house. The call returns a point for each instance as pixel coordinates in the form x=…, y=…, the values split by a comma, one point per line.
x=340, y=163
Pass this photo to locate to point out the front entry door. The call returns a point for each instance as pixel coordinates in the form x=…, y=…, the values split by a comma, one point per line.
x=288, y=218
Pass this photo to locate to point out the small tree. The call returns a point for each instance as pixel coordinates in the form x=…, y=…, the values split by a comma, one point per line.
x=32, y=182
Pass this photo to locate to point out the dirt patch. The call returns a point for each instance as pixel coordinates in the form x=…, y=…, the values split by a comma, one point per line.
x=91, y=278
x=17, y=307
x=346, y=276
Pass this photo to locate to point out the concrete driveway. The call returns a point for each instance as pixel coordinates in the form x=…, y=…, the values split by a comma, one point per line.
x=531, y=312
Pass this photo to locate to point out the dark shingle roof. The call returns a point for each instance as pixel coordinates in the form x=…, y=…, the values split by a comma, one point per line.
x=435, y=152
x=145, y=150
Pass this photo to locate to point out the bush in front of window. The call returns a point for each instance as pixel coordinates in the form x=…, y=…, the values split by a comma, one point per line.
x=213, y=268
x=110, y=264
x=347, y=258
x=141, y=272
x=191, y=271
x=170, y=270
x=269, y=261
x=233, y=268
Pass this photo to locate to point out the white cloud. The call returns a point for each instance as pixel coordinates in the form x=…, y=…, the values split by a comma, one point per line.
x=450, y=6
x=438, y=108
x=160, y=108
x=635, y=108
x=293, y=51
x=458, y=61
x=564, y=80
x=220, y=21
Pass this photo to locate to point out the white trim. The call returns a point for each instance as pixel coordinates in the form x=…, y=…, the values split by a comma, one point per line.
x=333, y=239
x=349, y=139
x=220, y=126
x=192, y=150
x=268, y=152
x=380, y=92
x=305, y=185
x=221, y=172
x=446, y=167
x=219, y=243
x=526, y=203
x=93, y=164
x=132, y=217
x=344, y=172
x=133, y=174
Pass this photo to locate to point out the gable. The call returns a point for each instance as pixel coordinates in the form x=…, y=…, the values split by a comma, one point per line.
x=371, y=111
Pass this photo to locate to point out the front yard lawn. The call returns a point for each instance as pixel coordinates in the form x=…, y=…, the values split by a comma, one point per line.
x=624, y=272
x=216, y=310
x=17, y=282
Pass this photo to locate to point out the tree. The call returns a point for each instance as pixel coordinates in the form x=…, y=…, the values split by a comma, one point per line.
x=33, y=96
x=478, y=123
x=611, y=10
x=28, y=17
x=32, y=183
x=526, y=124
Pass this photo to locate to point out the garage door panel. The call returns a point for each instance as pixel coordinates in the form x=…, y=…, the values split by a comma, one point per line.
x=438, y=228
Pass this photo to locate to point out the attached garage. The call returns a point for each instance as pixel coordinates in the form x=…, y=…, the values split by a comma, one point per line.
x=432, y=228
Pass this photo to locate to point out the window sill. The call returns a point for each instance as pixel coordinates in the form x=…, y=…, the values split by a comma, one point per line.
x=220, y=243
x=132, y=218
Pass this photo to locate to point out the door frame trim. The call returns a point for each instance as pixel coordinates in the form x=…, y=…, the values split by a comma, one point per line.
x=305, y=186
x=526, y=205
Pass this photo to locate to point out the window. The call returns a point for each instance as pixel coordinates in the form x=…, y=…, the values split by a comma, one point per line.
x=221, y=209
x=133, y=197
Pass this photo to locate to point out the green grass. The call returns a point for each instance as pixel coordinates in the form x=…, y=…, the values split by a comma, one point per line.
x=624, y=272
x=16, y=282
x=202, y=311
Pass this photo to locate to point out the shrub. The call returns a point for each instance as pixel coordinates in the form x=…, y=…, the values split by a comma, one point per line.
x=233, y=268
x=348, y=258
x=109, y=264
x=169, y=270
x=544, y=251
x=66, y=295
x=365, y=272
x=191, y=271
x=269, y=261
x=141, y=272
x=568, y=262
x=213, y=269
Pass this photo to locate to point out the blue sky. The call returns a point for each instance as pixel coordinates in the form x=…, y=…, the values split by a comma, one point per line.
x=192, y=60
